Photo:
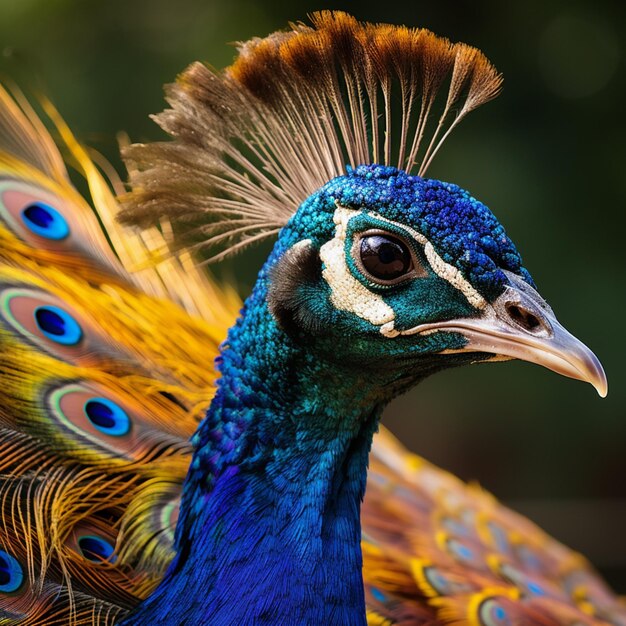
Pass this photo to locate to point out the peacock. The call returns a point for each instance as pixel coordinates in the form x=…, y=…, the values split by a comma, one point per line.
x=139, y=484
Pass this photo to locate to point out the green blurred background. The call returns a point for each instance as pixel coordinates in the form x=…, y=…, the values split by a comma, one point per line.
x=549, y=157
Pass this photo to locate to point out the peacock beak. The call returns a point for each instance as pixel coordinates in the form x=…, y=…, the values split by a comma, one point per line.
x=519, y=324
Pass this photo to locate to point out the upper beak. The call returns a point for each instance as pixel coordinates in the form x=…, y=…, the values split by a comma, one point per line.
x=520, y=324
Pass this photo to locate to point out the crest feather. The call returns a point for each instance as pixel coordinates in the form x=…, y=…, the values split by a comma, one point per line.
x=292, y=112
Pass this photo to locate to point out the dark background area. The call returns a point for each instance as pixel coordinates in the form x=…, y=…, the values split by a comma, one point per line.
x=548, y=156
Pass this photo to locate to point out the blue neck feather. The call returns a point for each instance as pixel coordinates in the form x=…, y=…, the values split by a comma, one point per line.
x=270, y=526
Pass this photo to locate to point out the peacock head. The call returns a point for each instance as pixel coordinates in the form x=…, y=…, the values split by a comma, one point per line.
x=383, y=268
x=372, y=263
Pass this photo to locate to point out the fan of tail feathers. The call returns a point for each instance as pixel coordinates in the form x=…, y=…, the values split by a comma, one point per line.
x=106, y=350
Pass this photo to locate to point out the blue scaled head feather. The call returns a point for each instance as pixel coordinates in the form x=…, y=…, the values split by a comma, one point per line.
x=321, y=136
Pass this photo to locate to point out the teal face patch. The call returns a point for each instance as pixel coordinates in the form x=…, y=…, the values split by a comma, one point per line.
x=425, y=289
x=422, y=287
x=460, y=260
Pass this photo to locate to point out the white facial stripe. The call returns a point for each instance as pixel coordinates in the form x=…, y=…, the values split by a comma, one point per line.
x=349, y=294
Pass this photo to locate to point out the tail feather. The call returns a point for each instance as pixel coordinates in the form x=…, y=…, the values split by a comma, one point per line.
x=105, y=370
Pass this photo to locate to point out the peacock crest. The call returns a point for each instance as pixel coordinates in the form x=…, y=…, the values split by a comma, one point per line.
x=292, y=112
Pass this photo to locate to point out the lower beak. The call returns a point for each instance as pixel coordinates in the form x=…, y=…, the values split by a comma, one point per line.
x=520, y=325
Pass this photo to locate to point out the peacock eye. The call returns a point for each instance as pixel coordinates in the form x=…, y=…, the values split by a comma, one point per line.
x=11, y=573
x=384, y=258
x=45, y=221
x=96, y=549
x=107, y=417
x=58, y=325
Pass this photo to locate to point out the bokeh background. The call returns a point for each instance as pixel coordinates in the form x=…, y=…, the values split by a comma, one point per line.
x=549, y=157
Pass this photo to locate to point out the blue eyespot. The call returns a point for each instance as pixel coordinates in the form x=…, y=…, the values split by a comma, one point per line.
x=455, y=527
x=460, y=551
x=378, y=595
x=107, y=417
x=529, y=558
x=96, y=549
x=500, y=537
x=443, y=585
x=492, y=613
x=11, y=573
x=500, y=613
x=437, y=580
x=58, y=325
x=45, y=221
x=536, y=589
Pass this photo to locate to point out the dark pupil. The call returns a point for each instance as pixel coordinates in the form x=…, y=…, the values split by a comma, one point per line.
x=50, y=321
x=384, y=257
x=93, y=549
x=38, y=215
x=100, y=414
x=5, y=576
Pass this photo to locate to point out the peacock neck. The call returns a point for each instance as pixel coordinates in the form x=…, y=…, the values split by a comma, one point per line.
x=269, y=531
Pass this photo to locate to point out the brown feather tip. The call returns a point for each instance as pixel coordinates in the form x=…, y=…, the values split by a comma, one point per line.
x=250, y=144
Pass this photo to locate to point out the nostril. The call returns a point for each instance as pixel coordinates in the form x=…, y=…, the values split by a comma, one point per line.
x=524, y=318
